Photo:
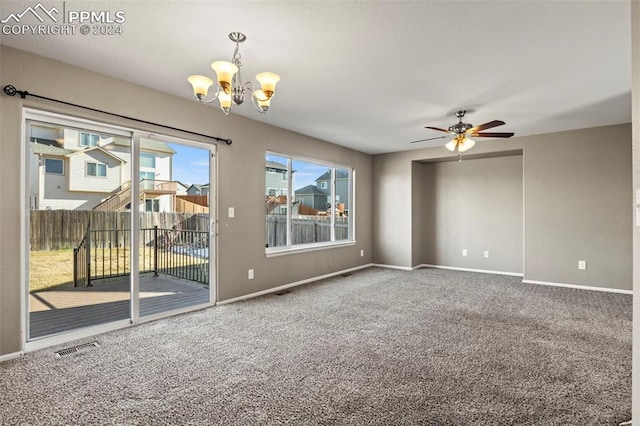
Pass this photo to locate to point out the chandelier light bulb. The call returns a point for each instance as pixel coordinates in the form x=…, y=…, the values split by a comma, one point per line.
x=225, y=102
x=200, y=85
x=225, y=72
x=268, y=82
x=262, y=100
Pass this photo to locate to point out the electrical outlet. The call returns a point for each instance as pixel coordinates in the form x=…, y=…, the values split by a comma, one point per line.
x=250, y=274
x=232, y=212
x=464, y=252
x=582, y=264
x=361, y=253
x=486, y=254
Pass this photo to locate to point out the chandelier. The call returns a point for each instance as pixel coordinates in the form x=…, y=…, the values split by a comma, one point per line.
x=229, y=88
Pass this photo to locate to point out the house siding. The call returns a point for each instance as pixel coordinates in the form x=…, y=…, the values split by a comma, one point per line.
x=78, y=179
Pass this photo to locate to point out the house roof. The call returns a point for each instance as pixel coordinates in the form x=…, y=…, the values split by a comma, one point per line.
x=275, y=165
x=146, y=144
x=96, y=148
x=47, y=149
x=309, y=190
x=199, y=186
x=341, y=174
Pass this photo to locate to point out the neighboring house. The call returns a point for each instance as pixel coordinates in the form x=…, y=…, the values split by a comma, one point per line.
x=275, y=188
x=76, y=170
x=318, y=196
x=342, y=186
x=181, y=188
x=313, y=197
x=195, y=189
x=276, y=179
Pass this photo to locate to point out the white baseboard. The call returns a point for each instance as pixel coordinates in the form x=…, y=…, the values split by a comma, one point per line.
x=402, y=268
x=7, y=357
x=294, y=284
x=580, y=287
x=482, y=271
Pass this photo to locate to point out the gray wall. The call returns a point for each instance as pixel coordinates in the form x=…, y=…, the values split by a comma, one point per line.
x=474, y=205
x=577, y=188
x=241, y=239
x=577, y=196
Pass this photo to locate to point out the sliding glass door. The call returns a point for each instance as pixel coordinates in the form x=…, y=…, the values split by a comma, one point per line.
x=95, y=254
x=78, y=226
x=174, y=218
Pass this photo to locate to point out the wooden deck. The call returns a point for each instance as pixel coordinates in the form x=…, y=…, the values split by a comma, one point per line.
x=57, y=311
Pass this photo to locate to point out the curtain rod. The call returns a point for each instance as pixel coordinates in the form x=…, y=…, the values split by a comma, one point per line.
x=12, y=91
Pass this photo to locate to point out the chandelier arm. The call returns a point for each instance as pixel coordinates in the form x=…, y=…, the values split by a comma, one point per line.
x=254, y=99
x=214, y=98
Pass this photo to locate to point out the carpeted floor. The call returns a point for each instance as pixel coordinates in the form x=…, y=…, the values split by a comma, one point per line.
x=429, y=347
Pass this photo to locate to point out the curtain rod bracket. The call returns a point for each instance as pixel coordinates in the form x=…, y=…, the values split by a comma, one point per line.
x=10, y=90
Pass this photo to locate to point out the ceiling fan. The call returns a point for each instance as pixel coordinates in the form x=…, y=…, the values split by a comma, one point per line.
x=462, y=131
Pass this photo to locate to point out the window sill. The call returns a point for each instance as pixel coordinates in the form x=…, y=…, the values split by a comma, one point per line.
x=274, y=252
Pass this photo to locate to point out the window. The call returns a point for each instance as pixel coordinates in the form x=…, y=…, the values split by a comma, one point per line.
x=317, y=213
x=147, y=175
x=152, y=206
x=96, y=169
x=147, y=160
x=53, y=166
x=89, y=139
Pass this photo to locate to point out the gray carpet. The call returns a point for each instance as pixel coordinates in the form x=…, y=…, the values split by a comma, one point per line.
x=429, y=347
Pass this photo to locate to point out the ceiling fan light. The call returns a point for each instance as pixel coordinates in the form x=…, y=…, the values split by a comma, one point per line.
x=200, y=85
x=451, y=146
x=225, y=72
x=466, y=144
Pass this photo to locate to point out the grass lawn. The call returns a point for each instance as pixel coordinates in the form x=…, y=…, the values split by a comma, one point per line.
x=50, y=269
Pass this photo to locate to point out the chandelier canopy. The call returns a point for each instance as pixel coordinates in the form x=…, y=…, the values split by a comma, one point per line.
x=229, y=88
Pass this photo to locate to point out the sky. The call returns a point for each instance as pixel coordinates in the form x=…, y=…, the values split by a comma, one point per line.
x=191, y=165
x=305, y=173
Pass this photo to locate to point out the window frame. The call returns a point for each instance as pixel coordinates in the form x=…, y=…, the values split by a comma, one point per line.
x=45, y=159
x=90, y=137
x=145, y=154
x=97, y=164
x=290, y=248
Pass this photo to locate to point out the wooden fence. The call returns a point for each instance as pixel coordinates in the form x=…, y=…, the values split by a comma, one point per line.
x=304, y=230
x=64, y=229
x=202, y=200
x=186, y=206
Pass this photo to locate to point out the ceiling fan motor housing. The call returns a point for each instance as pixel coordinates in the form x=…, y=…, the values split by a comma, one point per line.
x=460, y=127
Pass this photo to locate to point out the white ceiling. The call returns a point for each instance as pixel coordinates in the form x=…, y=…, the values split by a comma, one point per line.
x=371, y=74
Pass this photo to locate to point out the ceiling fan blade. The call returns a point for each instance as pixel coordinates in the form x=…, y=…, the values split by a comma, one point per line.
x=494, y=123
x=438, y=129
x=429, y=139
x=491, y=135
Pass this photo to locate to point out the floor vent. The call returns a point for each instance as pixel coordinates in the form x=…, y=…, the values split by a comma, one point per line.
x=77, y=349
